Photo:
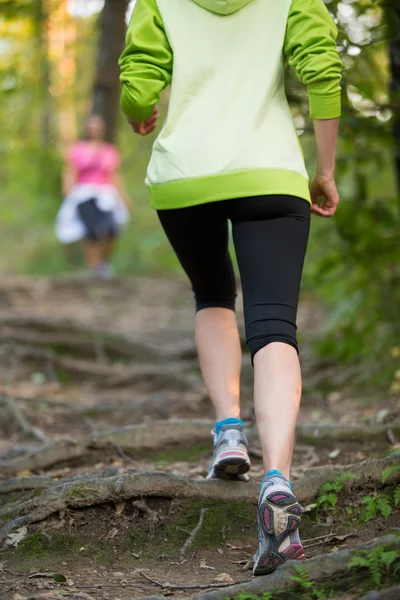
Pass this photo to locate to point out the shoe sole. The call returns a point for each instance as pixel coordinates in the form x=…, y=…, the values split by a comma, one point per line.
x=235, y=463
x=279, y=515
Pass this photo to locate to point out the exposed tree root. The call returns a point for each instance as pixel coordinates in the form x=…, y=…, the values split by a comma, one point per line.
x=171, y=376
x=22, y=421
x=192, y=536
x=319, y=569
x=63, y=334
x=171, y=586
x=64, y=449
x=319, y=435
x=55, y=596
x=162, y=434
x=392, y=593
x=158, y=434
x=34, y=482
x=94, y=490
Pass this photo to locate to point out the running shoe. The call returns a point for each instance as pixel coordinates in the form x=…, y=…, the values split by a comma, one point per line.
x=231, y=458
x=278, y=526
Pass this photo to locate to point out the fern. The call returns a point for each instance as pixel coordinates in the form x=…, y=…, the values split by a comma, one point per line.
x=339, y=481
x=386, y=473
x=396, y=496
x=369, y=509
x=302, y=578
x=378, y=562
x=330, y=489
x=383, y=505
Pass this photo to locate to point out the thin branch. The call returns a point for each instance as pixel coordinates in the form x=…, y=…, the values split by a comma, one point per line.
x=22, y=421
x=191, y=537
x=209, y=586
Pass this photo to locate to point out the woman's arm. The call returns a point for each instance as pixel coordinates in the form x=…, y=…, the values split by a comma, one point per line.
x=310, y=44
x=324, y=195
x=69, y=179
x=146, y=65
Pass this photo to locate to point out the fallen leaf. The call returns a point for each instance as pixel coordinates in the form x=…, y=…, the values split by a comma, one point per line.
x=119, y=508
x=224, y=577
x=13, y=539
x=117, y=463
x=203, y=565
x=309, y=507
x=220, y=551
x=335, y=453
x=59, y=577
x=113, y=533
x=24, y=473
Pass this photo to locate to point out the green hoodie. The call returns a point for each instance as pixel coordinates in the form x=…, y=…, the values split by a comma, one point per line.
x=229, y=131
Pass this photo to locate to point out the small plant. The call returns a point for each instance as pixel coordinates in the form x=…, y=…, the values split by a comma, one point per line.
x=396, y=496
x=388, y=472
x=328, y=493
x=307, y=586
x=378, y=562
x=373, y=507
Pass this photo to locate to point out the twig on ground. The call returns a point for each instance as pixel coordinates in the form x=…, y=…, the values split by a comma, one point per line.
x=22, y=421
x=191, y=537
x=326, y=539
x=391, y=437
x=99, y=586
x=209, y=586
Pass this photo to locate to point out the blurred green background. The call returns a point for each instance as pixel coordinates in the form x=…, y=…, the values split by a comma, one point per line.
x=51, y=64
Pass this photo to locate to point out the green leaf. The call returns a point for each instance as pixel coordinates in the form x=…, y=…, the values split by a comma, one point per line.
x=389, y=471
x=384, y=507
x=389, y=557
x=60, y=578
x=396, y=496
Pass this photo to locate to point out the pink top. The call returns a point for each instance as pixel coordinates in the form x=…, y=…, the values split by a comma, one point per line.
x=94, y=165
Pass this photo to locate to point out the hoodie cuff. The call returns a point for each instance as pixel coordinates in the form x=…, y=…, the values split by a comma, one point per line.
x=131, y=109
x=322, y=105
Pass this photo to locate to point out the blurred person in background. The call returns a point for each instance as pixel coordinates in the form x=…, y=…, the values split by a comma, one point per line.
x=229, y=151
x=96, y=204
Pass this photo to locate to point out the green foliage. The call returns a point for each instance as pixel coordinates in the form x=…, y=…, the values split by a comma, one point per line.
x=379, y=562
x=374, y=507
x=307, y=587
x=389, y=471
x=328, y=493
x=396, y=496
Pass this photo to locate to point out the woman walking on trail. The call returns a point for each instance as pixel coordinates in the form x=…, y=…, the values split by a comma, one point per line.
x=96, y=204
x=229, y=151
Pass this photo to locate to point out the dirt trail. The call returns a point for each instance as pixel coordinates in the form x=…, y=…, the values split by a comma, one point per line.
x=105, y=444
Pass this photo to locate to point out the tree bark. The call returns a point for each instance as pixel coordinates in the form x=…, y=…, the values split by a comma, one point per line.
x=393, y=18
x=42, y=10
x=106, y=85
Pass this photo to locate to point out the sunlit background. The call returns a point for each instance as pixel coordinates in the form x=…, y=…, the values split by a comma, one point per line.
x=49, y=65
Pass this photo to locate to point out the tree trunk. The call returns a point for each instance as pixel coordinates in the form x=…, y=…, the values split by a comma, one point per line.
x=45, y=71
x=106, y=86
x=394, y=58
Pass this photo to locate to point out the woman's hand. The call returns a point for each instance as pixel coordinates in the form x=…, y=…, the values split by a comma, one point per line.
x=324, y=195
x=145, y=127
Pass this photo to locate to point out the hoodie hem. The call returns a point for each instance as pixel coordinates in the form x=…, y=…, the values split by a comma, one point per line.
x=226, y=186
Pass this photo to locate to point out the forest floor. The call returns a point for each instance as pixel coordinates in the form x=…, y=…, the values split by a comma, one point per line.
x=105, y=445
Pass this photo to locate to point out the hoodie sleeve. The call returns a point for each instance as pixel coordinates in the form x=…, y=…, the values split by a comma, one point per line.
x=146, y=63
x=310, y=44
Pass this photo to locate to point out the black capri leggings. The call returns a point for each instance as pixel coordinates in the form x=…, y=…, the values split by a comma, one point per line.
x=270, y=235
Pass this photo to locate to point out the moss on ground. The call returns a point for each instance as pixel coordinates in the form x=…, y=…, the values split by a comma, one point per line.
x=221, y=522
x=175, y=454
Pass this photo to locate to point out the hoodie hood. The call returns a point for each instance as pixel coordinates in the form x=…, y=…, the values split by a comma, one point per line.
x=222, y=7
